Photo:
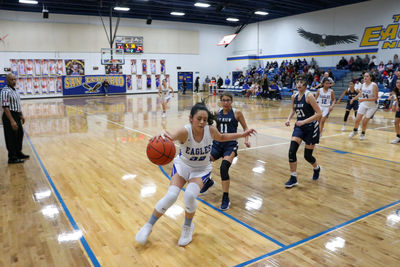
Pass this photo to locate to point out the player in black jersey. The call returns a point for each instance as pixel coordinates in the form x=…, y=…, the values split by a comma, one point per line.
x=306, y=129
x=350, y=92
x=396, y=93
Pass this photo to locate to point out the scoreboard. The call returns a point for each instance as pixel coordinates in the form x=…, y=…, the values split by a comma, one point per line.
x=130, y=44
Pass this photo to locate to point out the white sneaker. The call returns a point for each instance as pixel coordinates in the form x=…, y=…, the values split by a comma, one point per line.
x=344, y=128
x=395, y=141
x=362, y=136
x=163, y=115
x=186, y=236
x=143, y=234
x=352, y=134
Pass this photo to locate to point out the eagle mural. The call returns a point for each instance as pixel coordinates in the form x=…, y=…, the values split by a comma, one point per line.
x=325, y=40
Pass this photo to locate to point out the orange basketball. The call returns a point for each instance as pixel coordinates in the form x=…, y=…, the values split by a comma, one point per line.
x=160, y=151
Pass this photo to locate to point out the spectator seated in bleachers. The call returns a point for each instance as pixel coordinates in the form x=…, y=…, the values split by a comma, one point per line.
x=274, y=91
x=253, y=90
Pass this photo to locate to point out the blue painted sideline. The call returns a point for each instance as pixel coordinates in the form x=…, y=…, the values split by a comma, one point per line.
x=309, y=54
x=60, y=199
x=318, y=235
x=334, y=149
x=231, y=217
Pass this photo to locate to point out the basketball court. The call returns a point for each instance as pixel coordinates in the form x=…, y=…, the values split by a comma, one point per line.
x=93, y=188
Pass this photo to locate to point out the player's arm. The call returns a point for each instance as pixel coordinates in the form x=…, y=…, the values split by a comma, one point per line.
x=242, y=121
x=356, y=97
x=159, y=90
x=341, y=96
x=217, y=136
x=333, y=100
x=317, y=94
x=292, y=112
x=332, y=83
x=311, y=100
x=180, y=135
x=395, y=102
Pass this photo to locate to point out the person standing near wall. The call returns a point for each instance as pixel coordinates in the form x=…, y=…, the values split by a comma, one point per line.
x=12, y=121
x=197, y=84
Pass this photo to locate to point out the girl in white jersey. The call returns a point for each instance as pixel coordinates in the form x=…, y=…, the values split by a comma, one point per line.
x=326, y=101
x=191, y=164
x=165, y=91
x=368, y=98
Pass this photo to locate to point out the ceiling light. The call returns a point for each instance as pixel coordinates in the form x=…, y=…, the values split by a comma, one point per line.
x=262, y=13
x=232, y=19
x=202, y=5
x=32, y=2
x=119, y=8
x=177, y=13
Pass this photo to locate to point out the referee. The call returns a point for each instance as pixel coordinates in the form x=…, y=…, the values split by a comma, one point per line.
x=12, y=121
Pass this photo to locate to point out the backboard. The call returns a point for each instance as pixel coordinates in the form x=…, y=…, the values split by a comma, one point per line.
x=112, y=56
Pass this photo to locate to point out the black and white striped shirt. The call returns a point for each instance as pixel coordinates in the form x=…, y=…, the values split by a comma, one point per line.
x=10, y=98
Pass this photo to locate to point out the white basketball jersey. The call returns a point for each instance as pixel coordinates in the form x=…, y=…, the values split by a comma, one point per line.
x=367, y=92
x=165, y=91
x=196, y=154
x=324, y=99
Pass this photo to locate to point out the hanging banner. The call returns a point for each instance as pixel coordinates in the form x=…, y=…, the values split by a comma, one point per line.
x=93, y=84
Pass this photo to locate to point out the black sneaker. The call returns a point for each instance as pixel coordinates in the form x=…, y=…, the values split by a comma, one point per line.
x=23, y=156
x=225, y=203
x=207, y=185
x=292, y=182
x=14, y=161
x=316, y=173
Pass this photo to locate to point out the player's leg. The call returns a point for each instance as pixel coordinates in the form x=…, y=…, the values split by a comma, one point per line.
x=294, y=146
x=224, y=171
x=368, y=115
x=216, y=153
x=191, y=193
x=308, y=155
x=346, y=116
x=177, y=182
x=397, y=128
x=164, y=107
x=360, y=113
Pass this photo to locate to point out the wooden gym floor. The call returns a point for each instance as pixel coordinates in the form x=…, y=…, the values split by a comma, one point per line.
x=89, y=187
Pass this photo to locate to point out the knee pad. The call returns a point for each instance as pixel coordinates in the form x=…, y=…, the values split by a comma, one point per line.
x=168, y=200
x=225, y=170
x=308, y=155
x=294, y=146
x=191, y=193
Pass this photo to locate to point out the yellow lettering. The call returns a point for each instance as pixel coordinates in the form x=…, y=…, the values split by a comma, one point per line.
x=120, y=81
x=389, y=44
x=396, y=18
x=66, y=83
x=371, y=33
x=389, y=32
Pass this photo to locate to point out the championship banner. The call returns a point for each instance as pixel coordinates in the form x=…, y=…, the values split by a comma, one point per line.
x=93, y=84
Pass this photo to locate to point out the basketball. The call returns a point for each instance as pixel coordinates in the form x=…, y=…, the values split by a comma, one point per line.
x=160, y=151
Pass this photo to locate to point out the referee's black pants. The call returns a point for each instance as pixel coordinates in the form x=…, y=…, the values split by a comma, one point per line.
x=13, y=138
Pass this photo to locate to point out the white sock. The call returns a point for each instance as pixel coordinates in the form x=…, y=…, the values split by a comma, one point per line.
x=293, y=174
x=316, y=168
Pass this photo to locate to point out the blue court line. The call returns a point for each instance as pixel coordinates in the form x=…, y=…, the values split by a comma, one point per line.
x=360, y=155
x=334, y=149
x=60, y=199
x=230, y=216
x=295, y=244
